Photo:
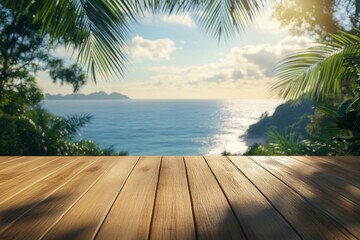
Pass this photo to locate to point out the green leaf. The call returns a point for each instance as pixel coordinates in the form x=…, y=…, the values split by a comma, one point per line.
x=342, y=109
x=328, y=111
x=320, y=70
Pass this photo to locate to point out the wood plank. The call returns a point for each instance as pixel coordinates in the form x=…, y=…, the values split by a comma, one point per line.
x=308, y=221
x=257, y=216
x=10, y=174
x=344, y=162
x=39, y=219
x=130, y=216
x=18, y=205
x=334, y=165
x=79, y=222
x=214, y=217
x=343, y=188
x=319, y=196
x=27, y=180
x=348, y=160
x=7, y=159
x=173, y=217
x=22, y=163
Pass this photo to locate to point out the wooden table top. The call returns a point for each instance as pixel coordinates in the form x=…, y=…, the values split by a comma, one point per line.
x=179, y=197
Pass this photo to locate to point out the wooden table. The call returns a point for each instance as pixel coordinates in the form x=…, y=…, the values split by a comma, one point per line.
x=180, y=197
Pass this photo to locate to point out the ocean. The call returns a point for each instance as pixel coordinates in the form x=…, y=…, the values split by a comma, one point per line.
x=167, y=127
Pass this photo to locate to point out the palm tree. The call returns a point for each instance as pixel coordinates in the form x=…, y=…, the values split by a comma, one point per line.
x=98, y=29
x=330, y=69
x=320, y=71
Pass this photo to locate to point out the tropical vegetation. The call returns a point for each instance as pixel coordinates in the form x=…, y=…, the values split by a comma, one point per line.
x=327, y=73
x=27, y=128
x=97, y=31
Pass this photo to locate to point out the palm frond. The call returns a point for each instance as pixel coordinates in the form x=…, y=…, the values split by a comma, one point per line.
x=223, y=19
x=99, y=29
x=318, y=70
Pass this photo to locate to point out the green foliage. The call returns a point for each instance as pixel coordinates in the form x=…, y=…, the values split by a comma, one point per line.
x=329, y=73
x=348, y=122
x=287, y=143
x=289, y=116
x=24, y=51
x=72, y=75
x=322, y=71
x=317, y=18
x=26, y=128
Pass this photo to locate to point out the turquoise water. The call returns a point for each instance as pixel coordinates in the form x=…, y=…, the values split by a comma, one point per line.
x=167, y=127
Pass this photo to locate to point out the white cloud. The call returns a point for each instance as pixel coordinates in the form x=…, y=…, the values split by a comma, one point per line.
x=67, y=53
x=258, y=61
x=217, y=78
x=183, y=20
x=241, y=66
x=141, y=49
x=241, y=72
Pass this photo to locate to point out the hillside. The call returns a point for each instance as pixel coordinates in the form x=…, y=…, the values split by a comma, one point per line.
x=286, y=116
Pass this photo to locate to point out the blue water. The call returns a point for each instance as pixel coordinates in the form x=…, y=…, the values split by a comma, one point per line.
x=167, y=127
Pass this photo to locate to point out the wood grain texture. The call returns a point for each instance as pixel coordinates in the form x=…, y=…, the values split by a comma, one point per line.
x=18, y=205
x=250, y=206
x=309, y=222
x=179, y=197
x=130, y=216
x=29, y=179
x=334, y=166
x=84, y=218
x=39, y=219
x=347, y=160
x=173, y=217
x=10, y=174
x=7, y=159
x=341, y=187
x=213, y=214
x=319, y=196
x=25, y=163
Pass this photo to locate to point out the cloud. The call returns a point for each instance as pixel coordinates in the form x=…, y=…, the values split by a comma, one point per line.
x=141, y=49
x=236, y=75
x=258, y=61
x=182, y=20
x=264, y=57
x=217, y=78
x=245, y=69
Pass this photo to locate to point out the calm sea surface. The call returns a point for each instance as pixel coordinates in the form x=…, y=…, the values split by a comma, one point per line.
x=167, y=127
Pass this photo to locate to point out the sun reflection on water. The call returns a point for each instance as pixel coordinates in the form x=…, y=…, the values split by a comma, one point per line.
x=234, y=118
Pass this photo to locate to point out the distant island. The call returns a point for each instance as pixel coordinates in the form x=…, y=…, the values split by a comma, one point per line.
x=92, y=96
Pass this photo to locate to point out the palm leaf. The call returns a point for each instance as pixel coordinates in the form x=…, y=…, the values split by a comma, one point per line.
x=220, y=18
x=223, y=18
x=318, y=70
x=99, y=29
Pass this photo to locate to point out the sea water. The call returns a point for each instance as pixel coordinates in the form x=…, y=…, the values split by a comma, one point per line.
x=167, y=127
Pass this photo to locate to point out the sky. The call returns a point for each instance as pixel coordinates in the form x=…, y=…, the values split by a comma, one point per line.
x=172, y=57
